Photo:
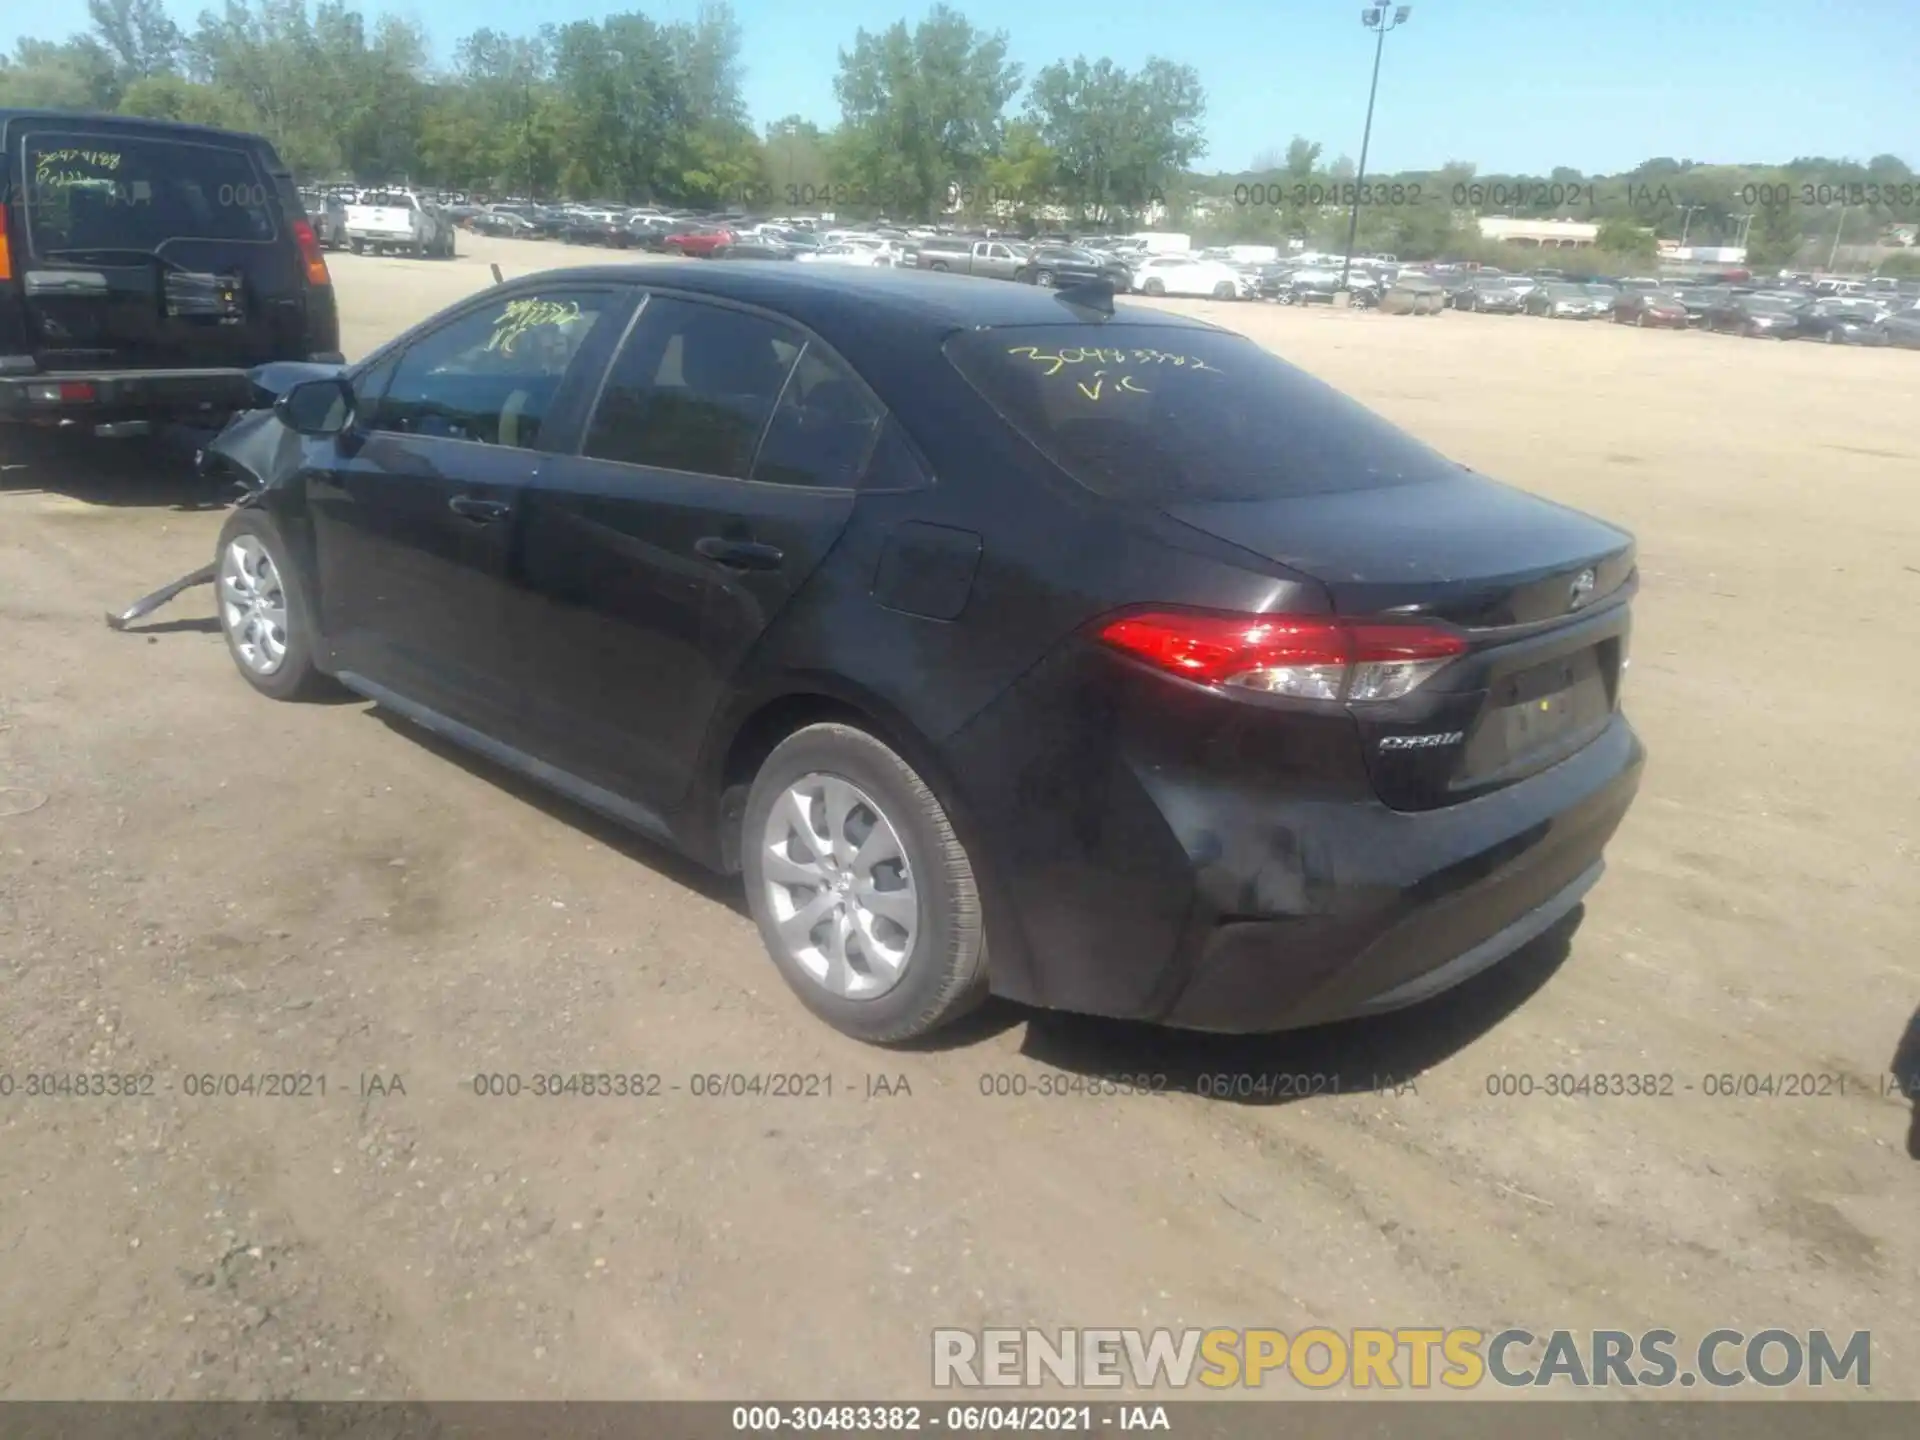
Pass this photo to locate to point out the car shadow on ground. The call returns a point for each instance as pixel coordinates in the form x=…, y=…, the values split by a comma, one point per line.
x=1376, y=1054
x=149, y=472
x=670, y=864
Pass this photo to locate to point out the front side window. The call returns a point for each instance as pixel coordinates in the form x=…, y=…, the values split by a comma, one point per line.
x=110, y=192
x=491, y=375
x=693, y=388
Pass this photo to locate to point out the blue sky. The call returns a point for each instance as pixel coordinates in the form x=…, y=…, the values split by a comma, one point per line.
x=1515, y=87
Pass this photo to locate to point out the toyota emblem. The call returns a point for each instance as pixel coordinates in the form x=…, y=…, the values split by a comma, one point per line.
x=1581, y=588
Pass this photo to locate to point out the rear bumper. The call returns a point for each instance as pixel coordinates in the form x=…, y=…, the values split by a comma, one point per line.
x=1425, y=901
x=96, y=396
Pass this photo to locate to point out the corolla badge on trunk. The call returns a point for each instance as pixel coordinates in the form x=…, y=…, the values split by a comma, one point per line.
x=1423, y=742
x=1581, y=590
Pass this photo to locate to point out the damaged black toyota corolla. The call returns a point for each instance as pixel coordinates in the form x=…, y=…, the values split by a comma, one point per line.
x=1005, y=641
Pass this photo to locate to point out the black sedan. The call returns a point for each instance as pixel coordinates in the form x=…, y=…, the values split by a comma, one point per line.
x=1902, y=328
x=1843, y=322
x=1002, y=640
x=1050, y=266
x=1759, y=317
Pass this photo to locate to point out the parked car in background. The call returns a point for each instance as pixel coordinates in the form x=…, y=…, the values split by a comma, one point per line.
x=680, y=554
x=1757, y=316
x=755, y=247
x=1559, y=300
x=700, y=240
x=962, y=255
x=1698, y=301
x=861, y=256
x=330, y=222
x=1901, y=328
x=587, y=228
x=1182, y=275
x=397, y=222
x=506, y=223
x=146, y=267
x=1499, y=296
x=1601, y=294
x=1049, y=266
x=1844, y=321
x=1650, y=308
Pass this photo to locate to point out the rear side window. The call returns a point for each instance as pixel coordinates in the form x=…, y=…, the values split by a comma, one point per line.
x=693, y=388
x=1154, y=415
x=102, y=191
x=822, y=430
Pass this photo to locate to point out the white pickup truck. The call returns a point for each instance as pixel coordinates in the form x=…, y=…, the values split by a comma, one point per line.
x=399, y=222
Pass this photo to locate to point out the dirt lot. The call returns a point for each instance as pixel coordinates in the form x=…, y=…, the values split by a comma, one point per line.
x=194, y=881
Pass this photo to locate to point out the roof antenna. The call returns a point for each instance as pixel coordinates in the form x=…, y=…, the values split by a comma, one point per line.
x=1092, y=296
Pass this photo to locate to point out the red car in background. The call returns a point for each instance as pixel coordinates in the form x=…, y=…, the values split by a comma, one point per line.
x=1649, y=308
x=701, y=241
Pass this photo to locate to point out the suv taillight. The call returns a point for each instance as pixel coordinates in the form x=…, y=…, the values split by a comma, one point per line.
x=1307, y=657
x=309, y=244
x=6, y=249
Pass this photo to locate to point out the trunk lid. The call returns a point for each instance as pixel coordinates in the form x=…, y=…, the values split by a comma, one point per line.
x=1539, y=590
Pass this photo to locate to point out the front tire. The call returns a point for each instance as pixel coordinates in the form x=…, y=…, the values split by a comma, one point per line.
x=1155, y=287
x=1044, y=279
x=264, y=610
x=863, y=893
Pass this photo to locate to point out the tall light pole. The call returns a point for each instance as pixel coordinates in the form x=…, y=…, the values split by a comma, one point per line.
x=1380, y=21
x=1834, y=253
x=1686, y=222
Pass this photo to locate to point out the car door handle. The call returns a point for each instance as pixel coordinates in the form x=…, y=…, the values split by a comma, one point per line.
x=740, y=554
x=483, y=512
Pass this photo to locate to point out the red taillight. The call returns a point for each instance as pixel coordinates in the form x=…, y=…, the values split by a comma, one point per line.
x=1308, y=657
x=6, y=249
x=309, y=244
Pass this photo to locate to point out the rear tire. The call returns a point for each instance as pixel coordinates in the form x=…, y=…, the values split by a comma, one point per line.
x=1223, y=291
x=265, y=613
x=1154, y=287
x=943, y=974
x=1044, y=279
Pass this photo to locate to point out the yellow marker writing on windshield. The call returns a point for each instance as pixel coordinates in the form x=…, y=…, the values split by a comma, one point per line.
x=520, y=316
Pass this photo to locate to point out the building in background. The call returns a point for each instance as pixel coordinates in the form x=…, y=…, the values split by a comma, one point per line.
x=1547, y=234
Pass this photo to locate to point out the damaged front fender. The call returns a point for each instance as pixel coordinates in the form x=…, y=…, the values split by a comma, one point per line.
x=256, y=451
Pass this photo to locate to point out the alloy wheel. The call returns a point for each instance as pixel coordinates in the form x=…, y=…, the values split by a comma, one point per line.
x=253, y=605
x=840, y=887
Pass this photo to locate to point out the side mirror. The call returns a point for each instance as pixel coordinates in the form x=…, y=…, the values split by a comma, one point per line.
x=317, y=407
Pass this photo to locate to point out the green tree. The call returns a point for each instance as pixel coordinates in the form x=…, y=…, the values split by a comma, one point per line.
x=1123, y=140
x=168, y=97
x=921, y=110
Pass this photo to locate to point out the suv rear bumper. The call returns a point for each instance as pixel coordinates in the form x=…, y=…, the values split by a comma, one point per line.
x=101, y=395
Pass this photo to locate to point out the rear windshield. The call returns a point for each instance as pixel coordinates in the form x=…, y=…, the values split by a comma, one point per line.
x=1152, y=414
x=126, y=192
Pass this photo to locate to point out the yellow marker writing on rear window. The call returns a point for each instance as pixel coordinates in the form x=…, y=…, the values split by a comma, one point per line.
x=1103, y=382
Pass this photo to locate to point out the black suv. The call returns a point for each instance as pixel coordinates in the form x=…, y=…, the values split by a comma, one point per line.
x=146, y=267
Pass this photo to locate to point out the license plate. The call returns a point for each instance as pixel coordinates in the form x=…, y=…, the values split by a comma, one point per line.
x=1539, y=722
